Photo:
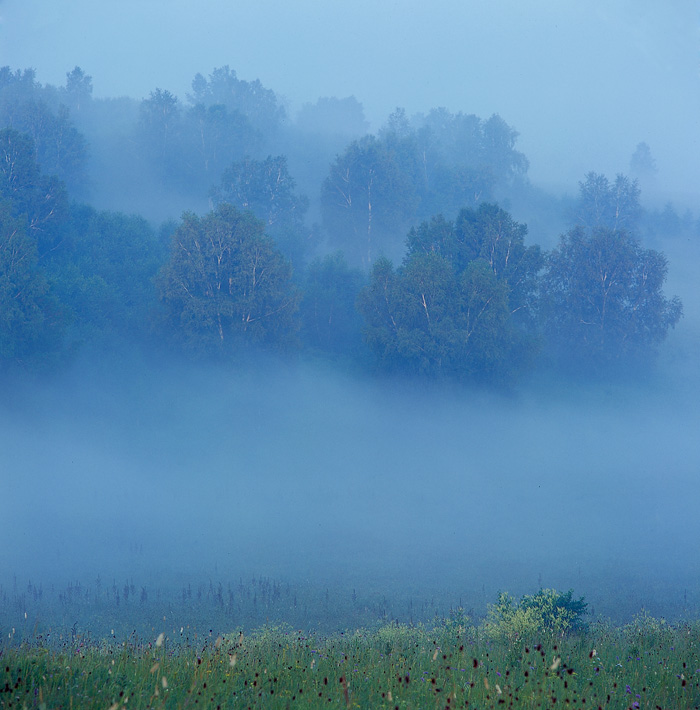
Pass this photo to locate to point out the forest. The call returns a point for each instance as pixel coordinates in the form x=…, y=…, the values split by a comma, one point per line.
x=216, y=225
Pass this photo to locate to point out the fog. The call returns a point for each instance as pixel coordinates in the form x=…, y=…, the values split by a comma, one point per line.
x=305, y=473
x=586, y=81
x=158, y=468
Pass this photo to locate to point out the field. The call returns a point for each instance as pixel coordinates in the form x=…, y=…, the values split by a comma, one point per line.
x=522, y=654
x=395, y=666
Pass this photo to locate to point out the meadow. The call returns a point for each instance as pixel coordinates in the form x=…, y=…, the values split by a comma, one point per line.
x=542, y=651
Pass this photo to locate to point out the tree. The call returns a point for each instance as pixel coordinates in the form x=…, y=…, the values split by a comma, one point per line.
x=329, y=320
x=367, y=200
x=488, y=233
x=42, y=200
x=465, y=159
x=499, y=150
x=454, y=187
x=450, y=309
x=213, y=136
x=602, y=205
x=536, y=616
x=78, y=89
x=225, y=284
x=36, y=111
x=333, y=116
x=427, y=319
x=259, y=105
x=266, y=188
x=160, y=123
x=642, y=163
x=191, y=146
x=104, y=274
x=31, y=320
x=602, y=299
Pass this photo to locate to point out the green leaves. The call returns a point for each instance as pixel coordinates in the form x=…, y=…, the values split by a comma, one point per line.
x=449, y=309
x=329, y=320
x=31, y=321
x=603, y=300
x=266, y=188
x=225, y=284
x=535, y=616
x=603, y=205
x=367, y=199
x=104, y=273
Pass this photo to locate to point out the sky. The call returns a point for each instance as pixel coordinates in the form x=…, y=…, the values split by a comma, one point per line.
x=583, y=83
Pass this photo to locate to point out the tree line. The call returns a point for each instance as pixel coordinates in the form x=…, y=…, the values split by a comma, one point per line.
x=403, y=256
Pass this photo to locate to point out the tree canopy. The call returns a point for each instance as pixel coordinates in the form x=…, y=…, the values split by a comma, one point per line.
x=225, y=284
x=265, y=188
x=451, y=307
x=410, y=248
x=366, y=199
x=58, y=147
x=31, y=319
x=602, y=298
x=606, y=205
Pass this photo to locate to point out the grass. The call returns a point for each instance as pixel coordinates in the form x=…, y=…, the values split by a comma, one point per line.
x=118, y=647
x=646, y=664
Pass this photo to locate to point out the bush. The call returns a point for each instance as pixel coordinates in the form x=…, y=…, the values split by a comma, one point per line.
x=546, y=613
x=397, y=637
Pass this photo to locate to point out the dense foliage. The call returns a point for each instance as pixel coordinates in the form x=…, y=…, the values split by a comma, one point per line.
x=461, y=301
x=413, y=263
x=265, y=188
x=603, y=300
x=546, y=613
x=225, y=281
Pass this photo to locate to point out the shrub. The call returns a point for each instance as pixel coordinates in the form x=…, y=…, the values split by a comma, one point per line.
x=546, y=613
x=396, y=637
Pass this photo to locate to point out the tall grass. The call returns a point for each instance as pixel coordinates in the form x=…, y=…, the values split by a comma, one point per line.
x=647, y=664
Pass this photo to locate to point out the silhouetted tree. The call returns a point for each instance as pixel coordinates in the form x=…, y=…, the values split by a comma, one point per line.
x=450, y=309
x=329, y=320
x=266, y=188
x=332, y=116
x=602, y=299
x=259, y=105
x=367, y=200
x=78, y=90
x=642, y=163
x=160, y=125
x=605, y=205
x=225, y=284
x=31, y=319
